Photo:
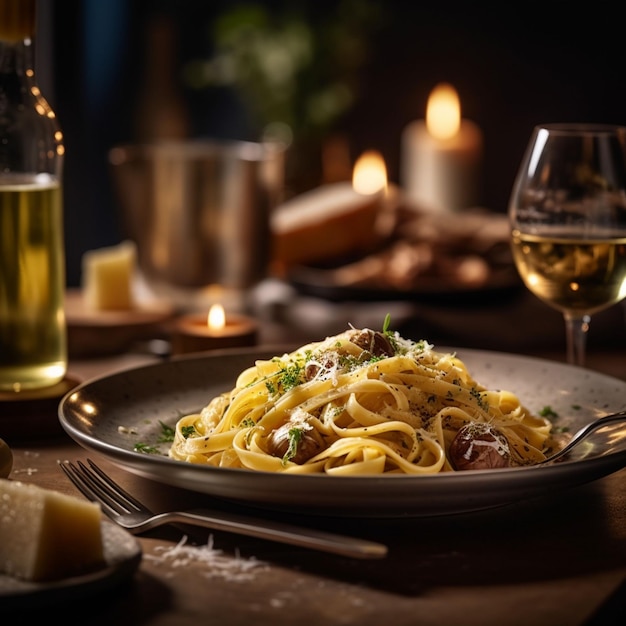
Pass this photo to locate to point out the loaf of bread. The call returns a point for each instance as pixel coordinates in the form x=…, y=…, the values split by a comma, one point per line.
x=326, y=223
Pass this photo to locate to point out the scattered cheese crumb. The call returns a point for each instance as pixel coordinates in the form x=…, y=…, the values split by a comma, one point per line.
x=123, y=430
x=29, y=471
x=220, y=565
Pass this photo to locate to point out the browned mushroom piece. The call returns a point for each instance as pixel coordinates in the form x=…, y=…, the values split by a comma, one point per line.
x=307, y=447
x=479, y=446
x=327, y=362
x=374, y=342
x=311, y=370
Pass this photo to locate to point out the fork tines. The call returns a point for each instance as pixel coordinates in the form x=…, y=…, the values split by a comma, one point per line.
x=96, y=486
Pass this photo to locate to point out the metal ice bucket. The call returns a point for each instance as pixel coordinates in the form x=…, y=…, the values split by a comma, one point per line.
x=198, y=211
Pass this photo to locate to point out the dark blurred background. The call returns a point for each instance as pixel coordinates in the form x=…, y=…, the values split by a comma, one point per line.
x=120, y=71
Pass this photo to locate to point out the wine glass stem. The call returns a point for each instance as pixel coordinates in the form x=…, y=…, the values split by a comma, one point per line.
x=576, y=329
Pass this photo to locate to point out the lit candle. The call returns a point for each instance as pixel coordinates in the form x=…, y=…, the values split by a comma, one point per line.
x=215, y=331
x=369, y=177
x=334, y=219
x=442, y=156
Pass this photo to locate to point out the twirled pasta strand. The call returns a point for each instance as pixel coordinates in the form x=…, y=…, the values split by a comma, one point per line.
x=360, y=413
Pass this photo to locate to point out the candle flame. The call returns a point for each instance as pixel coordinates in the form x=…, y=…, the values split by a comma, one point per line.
x=370, y=173
x=216, y=318
x=443, y=112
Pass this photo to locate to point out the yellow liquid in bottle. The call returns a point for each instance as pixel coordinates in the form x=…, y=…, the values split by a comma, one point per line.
x=33, y=335
x=17, y=19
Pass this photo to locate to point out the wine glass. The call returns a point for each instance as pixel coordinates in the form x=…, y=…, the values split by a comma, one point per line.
x=568, y=219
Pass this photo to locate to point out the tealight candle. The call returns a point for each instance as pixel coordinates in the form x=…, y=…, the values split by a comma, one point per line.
x=215, y=331
x=441, y=156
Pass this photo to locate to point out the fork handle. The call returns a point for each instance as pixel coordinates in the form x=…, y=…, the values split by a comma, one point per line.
x=276, y=531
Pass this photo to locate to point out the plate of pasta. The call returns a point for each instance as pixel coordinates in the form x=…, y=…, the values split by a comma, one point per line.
x=363, y=423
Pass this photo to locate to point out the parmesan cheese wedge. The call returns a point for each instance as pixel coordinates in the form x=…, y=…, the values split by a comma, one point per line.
x=107, y=275
x=46, y=535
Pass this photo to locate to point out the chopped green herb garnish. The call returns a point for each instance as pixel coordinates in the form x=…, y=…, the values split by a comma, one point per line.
x=386, y=324
x=548, y=412
x=482, y=403
x=375, y=358
x=295, y=437
x=167, y=433
x=187, y=431
x=560, y=429
x=145, y=448
x=290, y=377
x=390, y=334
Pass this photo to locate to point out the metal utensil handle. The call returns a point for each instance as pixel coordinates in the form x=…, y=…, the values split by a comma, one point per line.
x=277, y=531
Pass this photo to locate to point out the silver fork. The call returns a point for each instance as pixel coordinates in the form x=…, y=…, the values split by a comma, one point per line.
x=131, y=514
x=584, y=432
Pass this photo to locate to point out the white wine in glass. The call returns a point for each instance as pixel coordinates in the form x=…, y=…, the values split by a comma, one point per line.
x=568, y=221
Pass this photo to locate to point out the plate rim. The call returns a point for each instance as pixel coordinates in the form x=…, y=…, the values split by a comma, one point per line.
x=149, y=466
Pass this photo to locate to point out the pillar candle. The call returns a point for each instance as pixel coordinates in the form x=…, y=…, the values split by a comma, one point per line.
x=442, y=156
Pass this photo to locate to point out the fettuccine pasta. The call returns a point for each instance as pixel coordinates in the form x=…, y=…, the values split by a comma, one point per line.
x=362, y=403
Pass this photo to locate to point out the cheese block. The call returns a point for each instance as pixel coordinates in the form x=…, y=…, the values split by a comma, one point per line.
x=107, y=276
x=46, y=535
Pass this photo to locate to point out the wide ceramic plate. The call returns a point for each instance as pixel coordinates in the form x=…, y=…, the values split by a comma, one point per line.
x=110, y=415
x=122, y=555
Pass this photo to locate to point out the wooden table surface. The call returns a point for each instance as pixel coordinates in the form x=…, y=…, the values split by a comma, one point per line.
x=554, y=560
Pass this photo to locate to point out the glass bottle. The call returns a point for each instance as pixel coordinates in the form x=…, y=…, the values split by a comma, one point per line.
x=33, y=335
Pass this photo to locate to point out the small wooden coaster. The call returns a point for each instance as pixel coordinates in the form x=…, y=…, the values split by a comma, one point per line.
x=33, y=414
x=103, y=333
